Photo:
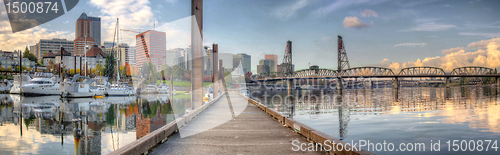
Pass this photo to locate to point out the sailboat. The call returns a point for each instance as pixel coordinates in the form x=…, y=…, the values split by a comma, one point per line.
x=117, y=89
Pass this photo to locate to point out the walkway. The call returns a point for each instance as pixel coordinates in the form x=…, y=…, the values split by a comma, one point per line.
x=252, y=131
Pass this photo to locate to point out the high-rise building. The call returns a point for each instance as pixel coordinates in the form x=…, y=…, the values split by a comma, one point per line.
x=246, y=61
x=265, y=66
x=130, y=57
x=173, y=56
x=95, y=29
x=227, y=60
x=154, y=43
x=108, y=44
x=54, y=45
x=121, y=53
x=33, y=50
x=275, y=59
x=83, y=34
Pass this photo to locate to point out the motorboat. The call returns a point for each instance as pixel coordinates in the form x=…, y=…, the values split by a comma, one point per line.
x=16, y=88
x=151, y=89
x=163, y=89
x=81, y=86
x=5, y=85
x=120, y=90
x=42, y=84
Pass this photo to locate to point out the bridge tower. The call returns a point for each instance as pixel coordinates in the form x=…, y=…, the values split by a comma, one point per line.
x=287, y=59
x=343, y=62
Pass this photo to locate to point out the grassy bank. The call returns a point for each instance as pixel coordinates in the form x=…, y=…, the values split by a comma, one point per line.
x=185, y=83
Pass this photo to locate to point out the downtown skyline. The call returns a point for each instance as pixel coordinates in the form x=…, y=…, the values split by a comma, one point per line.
x=393, y=34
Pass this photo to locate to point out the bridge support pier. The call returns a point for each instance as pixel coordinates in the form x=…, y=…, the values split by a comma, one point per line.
x=447, y=82
x=339, y=83
x=368, y=83
x=396, y=83
x=497, y=81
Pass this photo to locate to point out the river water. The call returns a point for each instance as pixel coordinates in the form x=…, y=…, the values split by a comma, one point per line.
x=413, y=115
x=44, y=125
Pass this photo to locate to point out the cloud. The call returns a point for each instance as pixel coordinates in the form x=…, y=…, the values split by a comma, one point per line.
x=411, y=44
x=452, y=50
x=289, y=11
x=354, y=22
x=171, y=1
x=432, y=26
x=368, y=13
x=480, y=34
x=133, y=14
x=18, y=41
x=483, y=44
x=343, y=3
x=456, y=57
x=178, y=33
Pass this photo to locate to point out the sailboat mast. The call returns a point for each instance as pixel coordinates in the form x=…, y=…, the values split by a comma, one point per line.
x=118, y=50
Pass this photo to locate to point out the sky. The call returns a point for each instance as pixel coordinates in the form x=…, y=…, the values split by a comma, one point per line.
x=394, y=34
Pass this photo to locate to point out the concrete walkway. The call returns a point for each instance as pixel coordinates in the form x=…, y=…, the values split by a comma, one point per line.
x=214, y=131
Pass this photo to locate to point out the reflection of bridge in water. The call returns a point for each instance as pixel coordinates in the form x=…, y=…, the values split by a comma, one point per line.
x=360, y=102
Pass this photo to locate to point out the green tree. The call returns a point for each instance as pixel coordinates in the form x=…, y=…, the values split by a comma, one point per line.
x=148, y=71
x=99, y=67
x=30, y=56
x=178, y=72
x=109, y=66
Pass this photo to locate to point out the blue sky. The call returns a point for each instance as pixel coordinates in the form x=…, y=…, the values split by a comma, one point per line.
x=395, y=34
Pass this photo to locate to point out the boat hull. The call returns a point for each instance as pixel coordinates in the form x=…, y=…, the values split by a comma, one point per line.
x=40, y=90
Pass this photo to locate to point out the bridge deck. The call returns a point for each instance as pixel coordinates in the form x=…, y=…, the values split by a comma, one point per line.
x=252, y=131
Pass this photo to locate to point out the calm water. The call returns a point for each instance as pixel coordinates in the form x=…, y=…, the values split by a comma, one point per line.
x=44, y=125
x=414, y=115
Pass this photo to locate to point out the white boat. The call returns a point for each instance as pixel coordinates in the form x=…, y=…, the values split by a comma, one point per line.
x=120, y=90
x=5, y=85
x=42, y=84
x=151, y=89
x=163, y=89
x=16, y=88
x=81, y=86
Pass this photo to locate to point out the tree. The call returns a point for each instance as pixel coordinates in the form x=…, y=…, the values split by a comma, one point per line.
x=148, y=71
x=178, y=72
x=30, y=56
x=99, y=67
x=50, y=66
x=109, y=66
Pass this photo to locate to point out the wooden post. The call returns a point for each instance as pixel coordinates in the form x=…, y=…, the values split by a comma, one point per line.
x=215, y=69
x=197, y=53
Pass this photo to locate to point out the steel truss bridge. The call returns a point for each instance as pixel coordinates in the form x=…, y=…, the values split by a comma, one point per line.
x=378, y=72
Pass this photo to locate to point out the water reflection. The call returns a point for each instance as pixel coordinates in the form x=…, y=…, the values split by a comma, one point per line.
x=44, y=125
x=408, y=115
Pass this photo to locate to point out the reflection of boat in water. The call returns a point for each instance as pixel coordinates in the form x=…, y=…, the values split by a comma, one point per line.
x=43, y=106
x=120, y=99
x=81, y=86
x=16, y=88
x=42, y=84
x=155, y=97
